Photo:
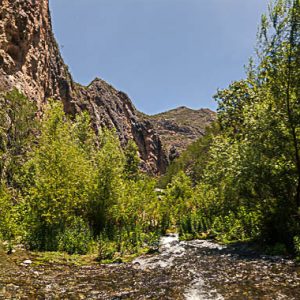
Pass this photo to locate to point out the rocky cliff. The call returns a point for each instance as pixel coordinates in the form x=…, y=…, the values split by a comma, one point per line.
x=30, y=61
x=179, y=127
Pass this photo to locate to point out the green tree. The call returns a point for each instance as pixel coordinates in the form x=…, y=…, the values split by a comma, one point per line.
x=18, y=127
x=252, y=165
x=231, y=105
x=176, y=200
x=279, y=81
x=279, y=72
x=193, y=160
x=59, y=180
x=132, y=161
x=109, y=167
x=9, y=215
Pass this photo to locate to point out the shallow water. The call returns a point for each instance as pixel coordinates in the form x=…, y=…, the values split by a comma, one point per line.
x=181, y=270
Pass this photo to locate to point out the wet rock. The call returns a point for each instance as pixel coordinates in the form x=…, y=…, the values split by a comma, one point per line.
x=27, y=262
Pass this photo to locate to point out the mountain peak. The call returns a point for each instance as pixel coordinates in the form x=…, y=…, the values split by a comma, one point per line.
x=180, y=126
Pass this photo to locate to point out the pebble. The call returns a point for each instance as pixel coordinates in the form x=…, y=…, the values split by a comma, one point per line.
x=27, y=262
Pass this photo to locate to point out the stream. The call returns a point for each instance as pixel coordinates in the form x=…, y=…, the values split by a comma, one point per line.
x=190, y=270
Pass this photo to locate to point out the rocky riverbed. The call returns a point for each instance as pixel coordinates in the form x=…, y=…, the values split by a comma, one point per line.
x=181, y=270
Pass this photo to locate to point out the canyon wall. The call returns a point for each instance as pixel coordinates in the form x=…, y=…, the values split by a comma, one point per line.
x=30, y=61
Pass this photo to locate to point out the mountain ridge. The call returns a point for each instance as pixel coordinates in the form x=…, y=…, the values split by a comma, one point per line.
x=181, y=126
x=30, y=60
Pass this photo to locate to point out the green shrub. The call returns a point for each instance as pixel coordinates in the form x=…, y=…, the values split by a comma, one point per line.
x=76, y=237
x=9, y=216
x=150, y=240
x=240, y=226
x=106, y=249
x=40, y=235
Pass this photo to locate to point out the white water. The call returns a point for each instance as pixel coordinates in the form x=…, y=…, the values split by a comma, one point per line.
x=197, y=291
x=171, y=248
x=203, y=244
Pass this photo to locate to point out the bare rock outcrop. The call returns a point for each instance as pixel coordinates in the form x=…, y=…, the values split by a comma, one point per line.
x=29, y=56
x=179, y=127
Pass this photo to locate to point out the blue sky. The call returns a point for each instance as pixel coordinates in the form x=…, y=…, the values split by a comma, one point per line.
x=162, y=53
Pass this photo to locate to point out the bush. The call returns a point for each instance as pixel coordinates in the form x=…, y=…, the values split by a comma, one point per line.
x=18, y=127
x=40, y=235
x=106, y=249
x=240, y=226
x=8, y=216
x=76, y=238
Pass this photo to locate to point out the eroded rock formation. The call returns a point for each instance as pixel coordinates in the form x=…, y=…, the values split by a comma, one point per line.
x=179, y=127
x=30, y=60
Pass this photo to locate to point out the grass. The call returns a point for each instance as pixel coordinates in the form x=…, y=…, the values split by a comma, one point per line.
x=38, y=258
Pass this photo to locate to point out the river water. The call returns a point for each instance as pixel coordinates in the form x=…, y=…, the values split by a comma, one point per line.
x=181, y=270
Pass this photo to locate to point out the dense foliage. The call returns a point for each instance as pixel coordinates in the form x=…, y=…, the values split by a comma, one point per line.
x=251, y=167
x=73, y=189
x=62, y=187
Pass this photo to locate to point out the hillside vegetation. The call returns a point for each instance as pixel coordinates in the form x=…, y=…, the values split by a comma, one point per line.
x=246, y=170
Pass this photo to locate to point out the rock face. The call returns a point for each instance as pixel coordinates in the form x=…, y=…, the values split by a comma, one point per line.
x=30, y=60
x=29, y=56
x=111, y=108
x=179, y=127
